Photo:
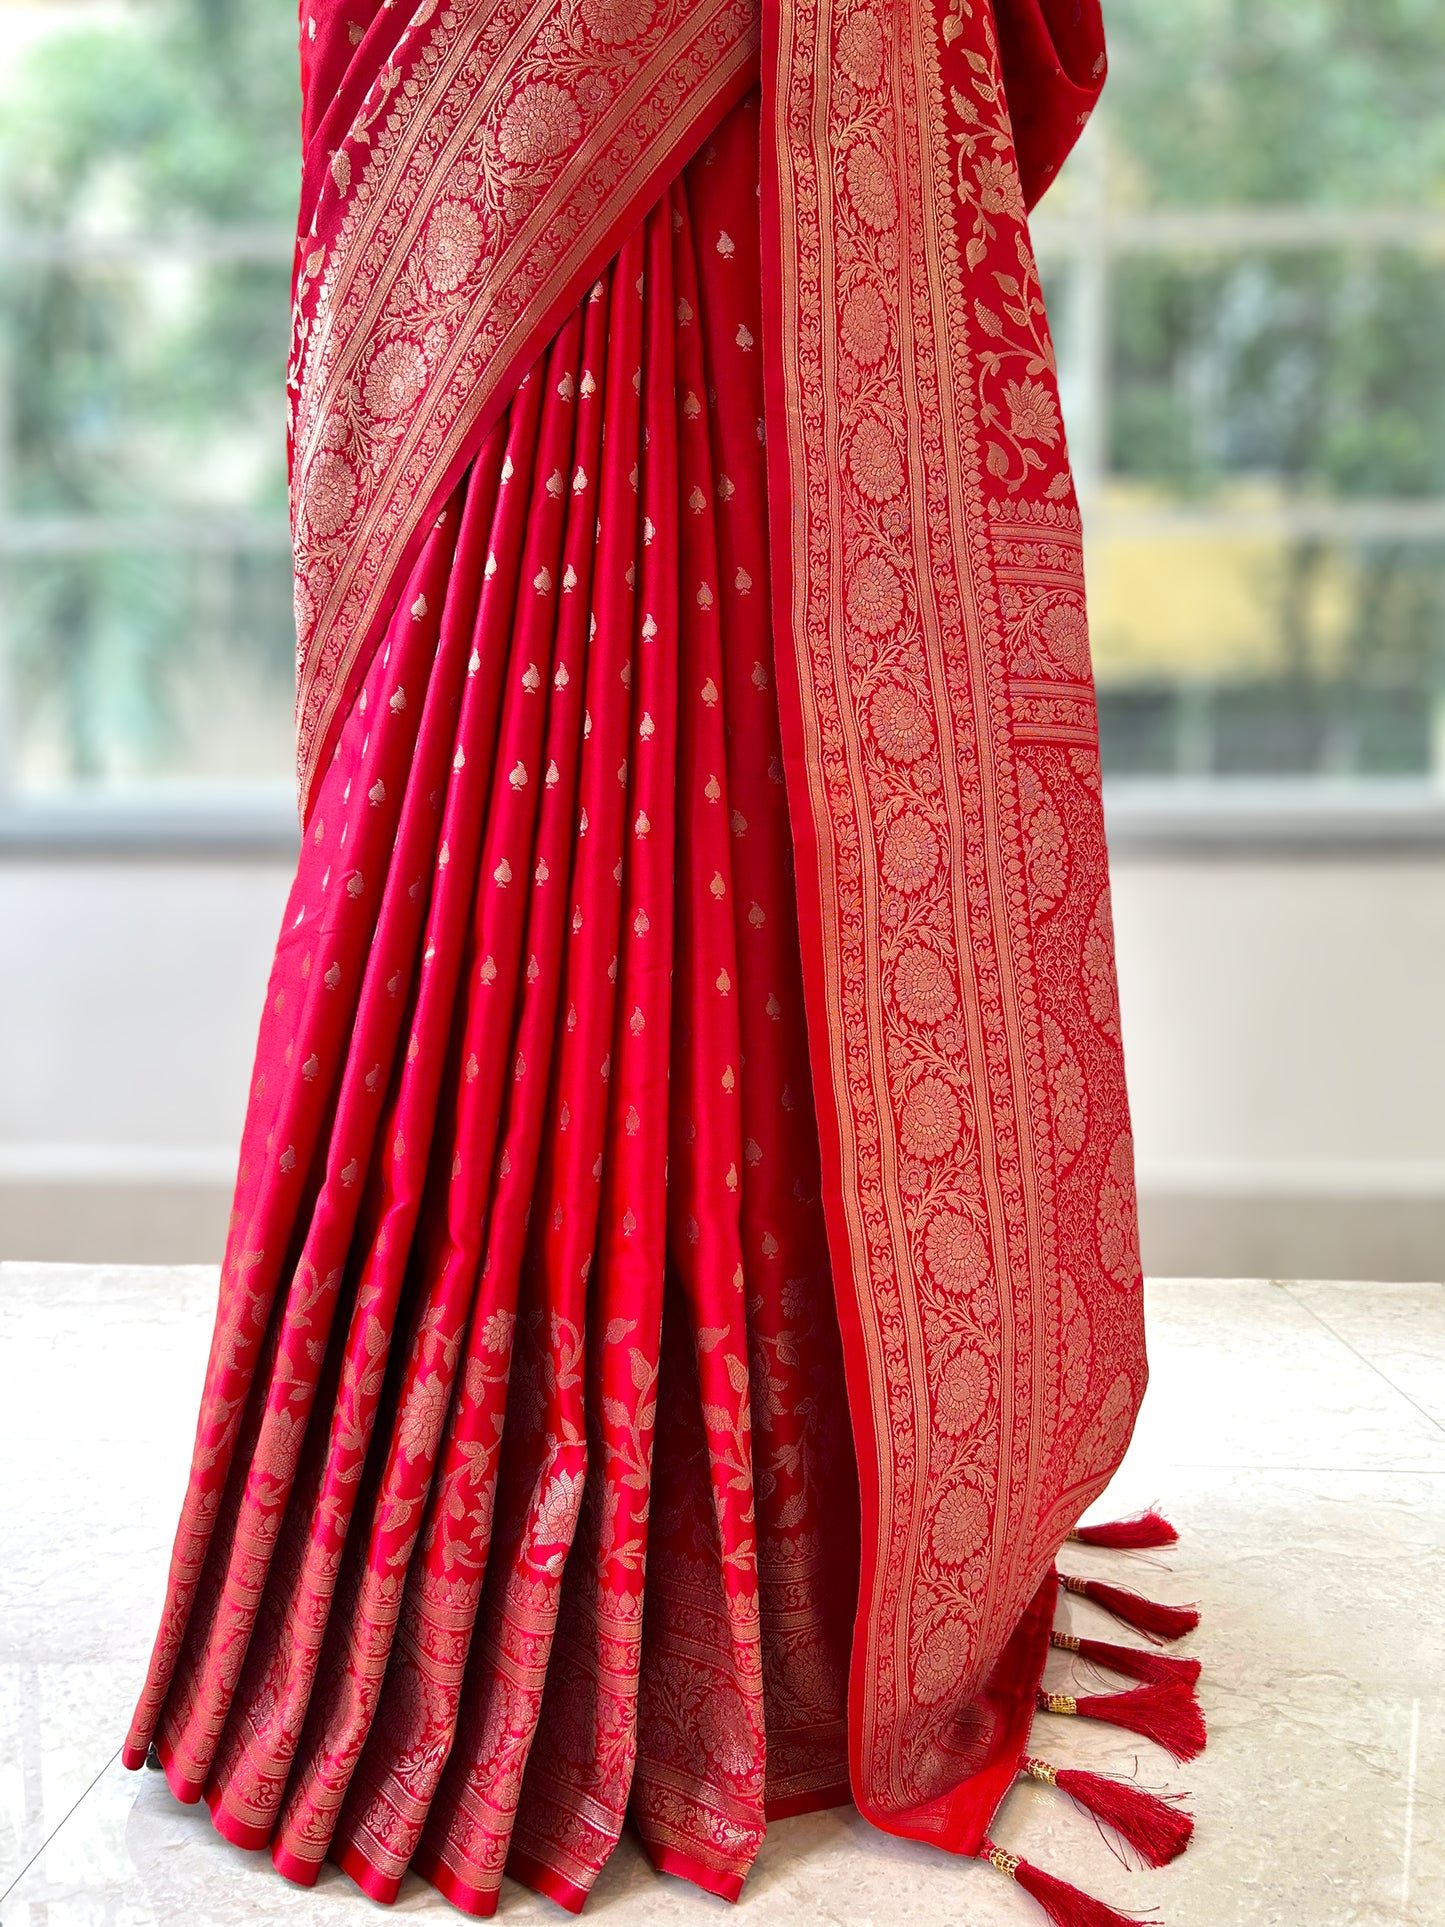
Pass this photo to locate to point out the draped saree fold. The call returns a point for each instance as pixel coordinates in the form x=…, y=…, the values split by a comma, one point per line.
x=682, y=1285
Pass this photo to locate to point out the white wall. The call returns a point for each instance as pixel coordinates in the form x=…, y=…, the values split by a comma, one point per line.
x=1284, y=1030
x=130, y=990
x=1283, y=1018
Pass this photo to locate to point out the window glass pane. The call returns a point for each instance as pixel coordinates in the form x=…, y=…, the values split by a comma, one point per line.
x=1245, y=263
x=148, y=167
x=146, y=385
x=1246, y=266
x=137, y=664
x=1304, y=103
x=1314, y=372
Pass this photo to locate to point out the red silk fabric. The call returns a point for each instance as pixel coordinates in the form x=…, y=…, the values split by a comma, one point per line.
x=524, y=1492
x=683, y=1282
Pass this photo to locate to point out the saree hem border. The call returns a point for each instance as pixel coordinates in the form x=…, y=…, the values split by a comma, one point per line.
x=479, y=1902
x=290, y=1866
x=380, y=1887
x=246, y=1835
x=530, y=1872
x=188, y=1791
x=685, y=1866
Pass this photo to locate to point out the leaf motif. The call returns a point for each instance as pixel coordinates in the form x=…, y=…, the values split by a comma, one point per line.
x=975, y=251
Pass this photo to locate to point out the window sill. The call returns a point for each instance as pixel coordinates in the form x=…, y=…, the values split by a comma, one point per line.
x=199, y=821
x=1231, y=817
x=1275, y=817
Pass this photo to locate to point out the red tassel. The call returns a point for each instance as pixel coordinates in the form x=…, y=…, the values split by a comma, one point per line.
x=1066, y=1906
x=1145, y=1615
x=1155, y=1825
x=1134, y=1662
x=1139, y=1534
x=1169, y=1715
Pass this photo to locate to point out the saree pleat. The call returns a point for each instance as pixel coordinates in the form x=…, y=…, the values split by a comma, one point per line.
x=321, y=1103
x=545, y=1447
x=804, y=1480
x=395, y=1778
x=454, y=1611
x=579, y=1770
x=260, y=1741
x=448, y=1248
x=698, y=1788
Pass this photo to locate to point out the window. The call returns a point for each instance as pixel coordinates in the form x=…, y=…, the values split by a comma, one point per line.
x=1245, y=263
x=1245, y=260
x=148, y=178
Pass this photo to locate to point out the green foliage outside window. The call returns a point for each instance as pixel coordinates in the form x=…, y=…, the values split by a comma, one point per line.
x=1314, y=373
x=145, y=387
x=146, y=626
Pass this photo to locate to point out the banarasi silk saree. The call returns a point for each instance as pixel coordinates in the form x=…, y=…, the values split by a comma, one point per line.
x=682, y=1287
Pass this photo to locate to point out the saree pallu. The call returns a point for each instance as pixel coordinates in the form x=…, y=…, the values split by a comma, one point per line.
x=682, y=1285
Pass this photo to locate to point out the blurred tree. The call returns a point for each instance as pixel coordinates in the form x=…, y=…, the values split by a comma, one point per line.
x=1316, y=370
x=1286, y=102
x=146, y=385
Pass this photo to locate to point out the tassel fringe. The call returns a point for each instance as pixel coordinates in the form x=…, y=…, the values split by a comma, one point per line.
x=1144, y=1615
x=1156, y=1826
x=1134, y=1662
x=1139, y=1534
x=1162, y=1707
x=1066, y=1906
x=1168, y=1715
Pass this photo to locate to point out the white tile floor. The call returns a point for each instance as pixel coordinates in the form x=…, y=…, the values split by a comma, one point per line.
x=1296, y=1433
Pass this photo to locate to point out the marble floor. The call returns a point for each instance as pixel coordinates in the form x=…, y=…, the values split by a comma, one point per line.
x=1295, y=1432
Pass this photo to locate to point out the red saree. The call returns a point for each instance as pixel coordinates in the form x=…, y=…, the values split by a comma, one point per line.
x=683, y=1285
